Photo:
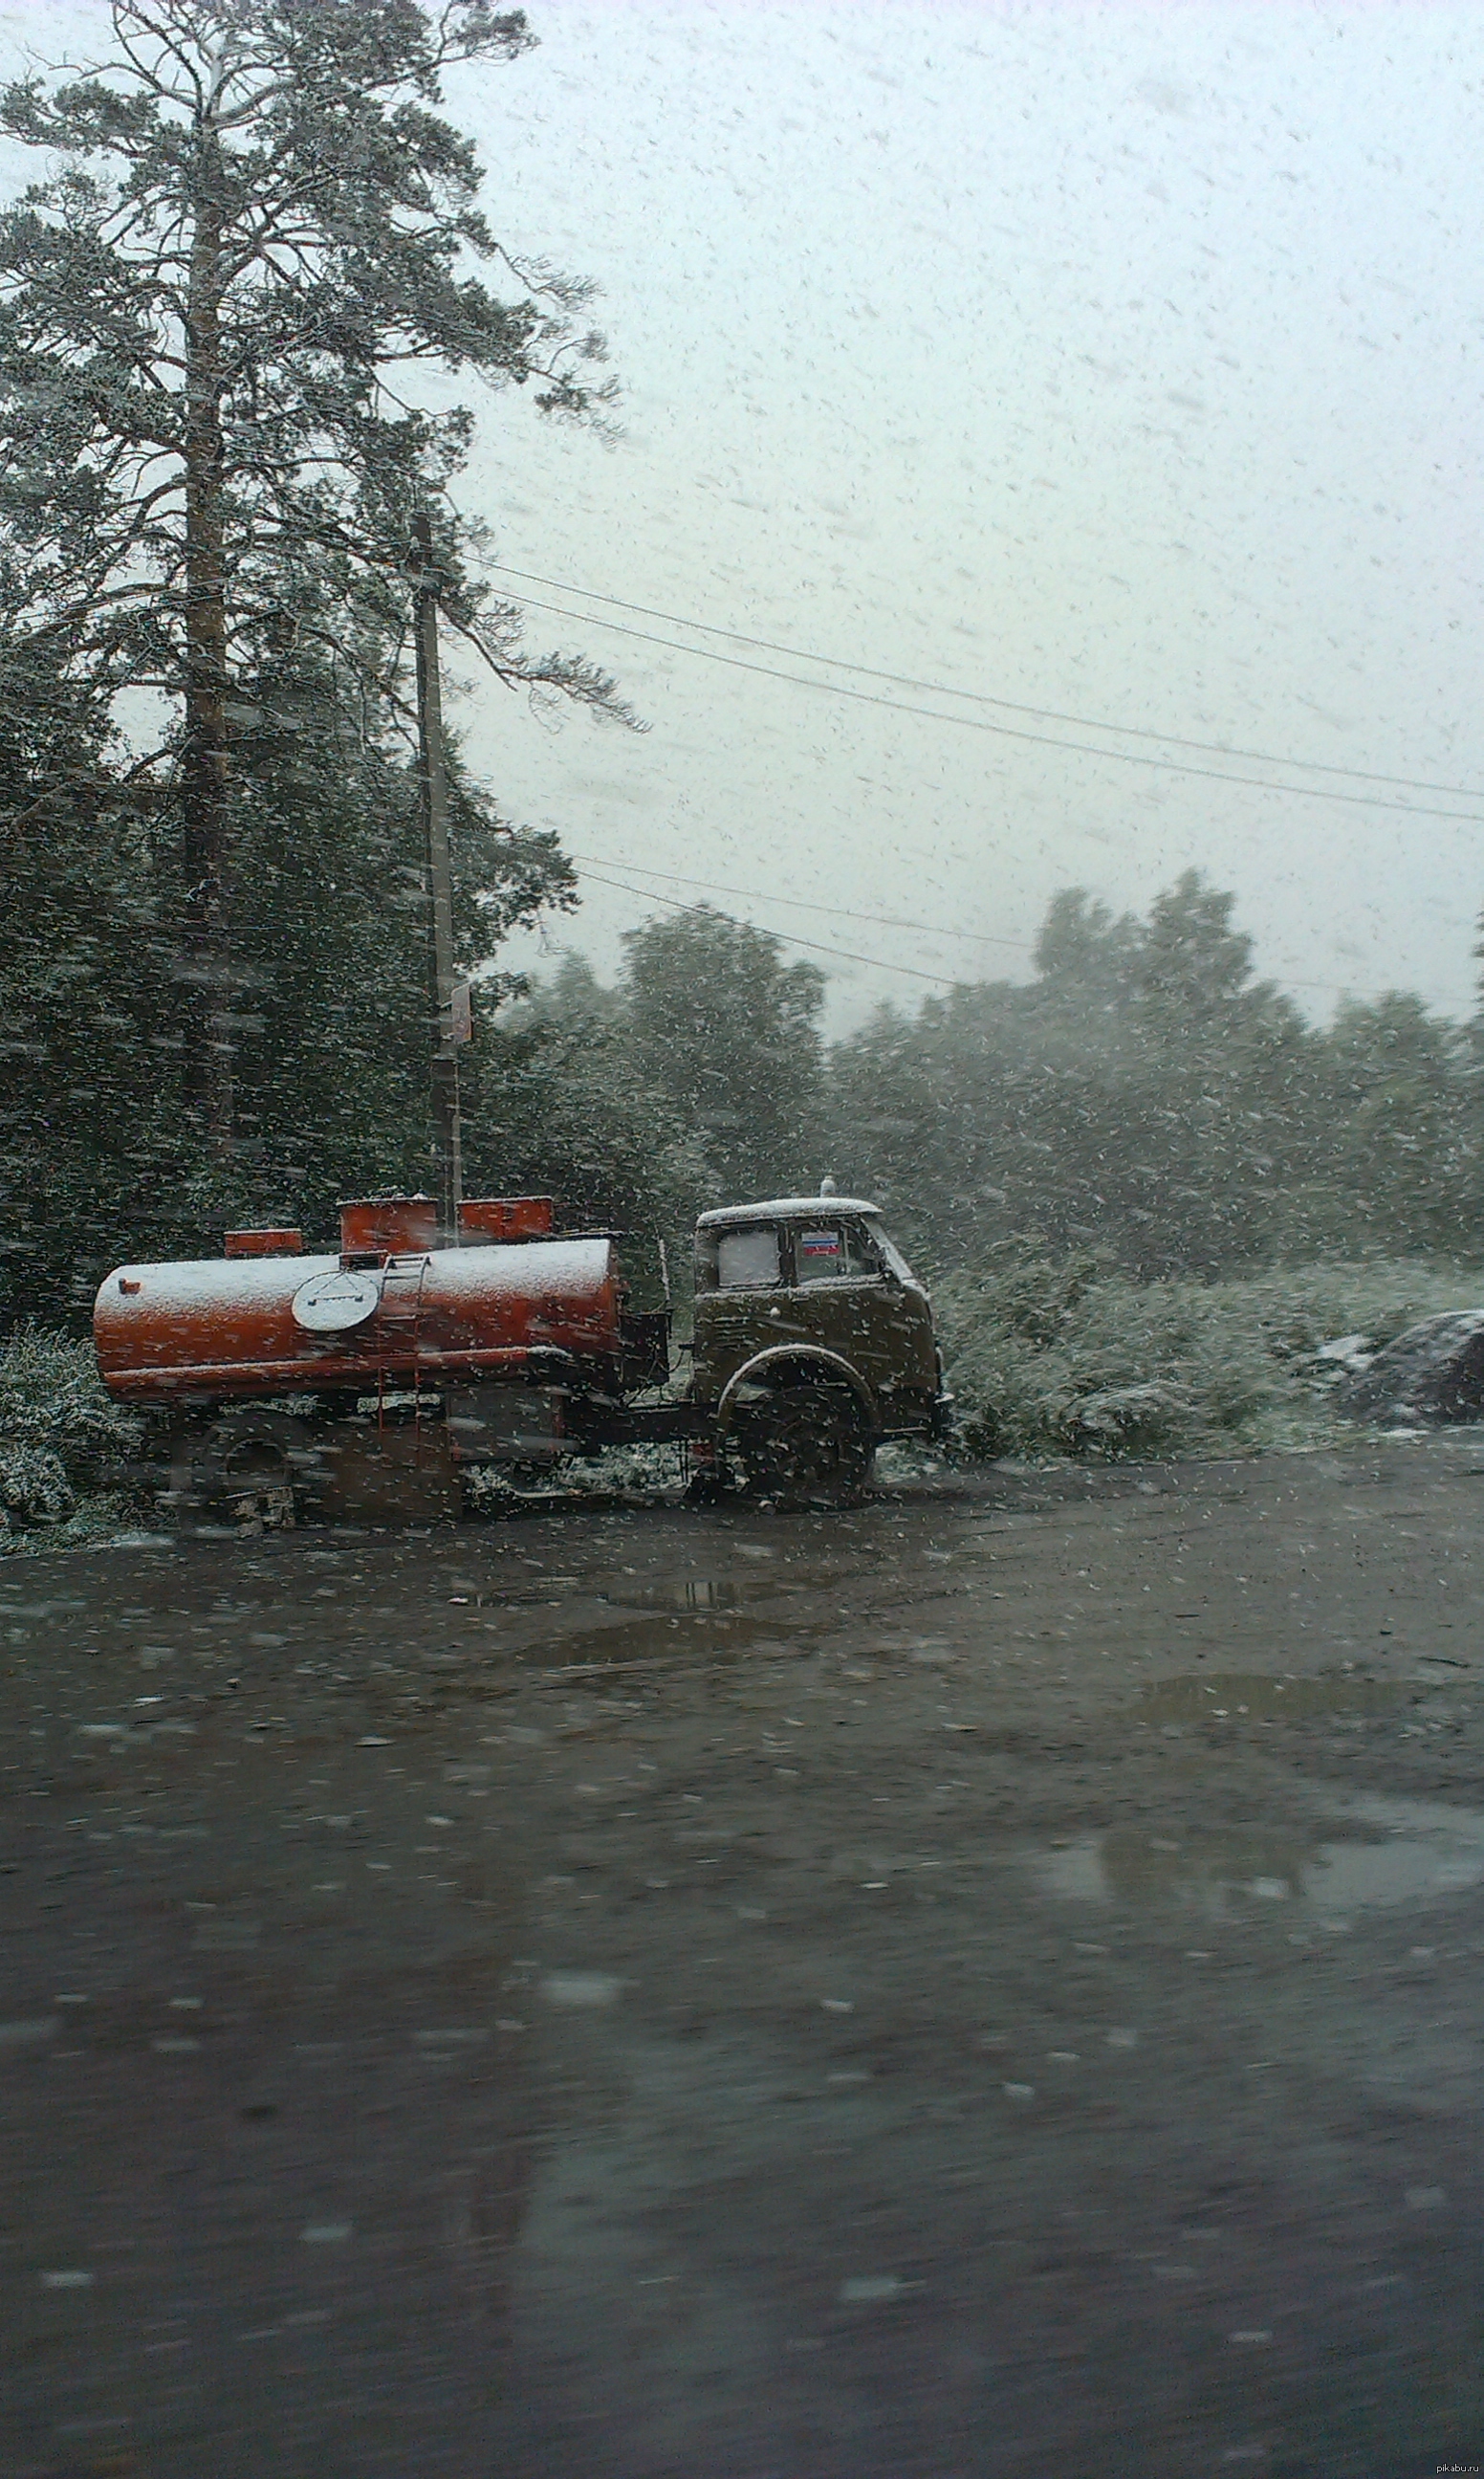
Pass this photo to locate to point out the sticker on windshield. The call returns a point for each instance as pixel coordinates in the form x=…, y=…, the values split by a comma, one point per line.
x=819, y=1243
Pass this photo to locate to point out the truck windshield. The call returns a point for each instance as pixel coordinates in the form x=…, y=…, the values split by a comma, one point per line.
x=891, y=1254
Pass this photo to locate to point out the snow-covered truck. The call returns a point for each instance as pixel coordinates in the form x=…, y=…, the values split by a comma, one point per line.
x=368, y=1383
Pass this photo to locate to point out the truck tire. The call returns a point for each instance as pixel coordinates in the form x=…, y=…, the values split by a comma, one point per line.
x=249, y=1465
x=805, y=1446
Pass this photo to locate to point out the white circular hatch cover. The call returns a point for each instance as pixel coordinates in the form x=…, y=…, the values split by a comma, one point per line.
x=333, y=1303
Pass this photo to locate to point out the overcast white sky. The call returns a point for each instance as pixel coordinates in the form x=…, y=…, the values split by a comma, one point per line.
x=1120, y=361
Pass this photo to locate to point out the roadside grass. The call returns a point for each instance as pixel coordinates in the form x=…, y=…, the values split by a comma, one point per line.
x=1057, y=1360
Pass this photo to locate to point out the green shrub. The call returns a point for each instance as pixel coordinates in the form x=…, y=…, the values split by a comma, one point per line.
x=65, y=1447
x=1069, y=1360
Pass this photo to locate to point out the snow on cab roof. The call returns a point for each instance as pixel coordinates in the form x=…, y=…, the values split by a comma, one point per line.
x=822, y=1206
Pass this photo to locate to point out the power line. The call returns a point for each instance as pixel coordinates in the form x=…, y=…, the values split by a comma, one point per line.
x=982, y=697
x=1005, y=730
x=883, y=920
x=798, y=904
x=944, y=981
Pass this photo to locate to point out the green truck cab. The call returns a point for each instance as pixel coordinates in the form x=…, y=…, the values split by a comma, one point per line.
x=813, y=1343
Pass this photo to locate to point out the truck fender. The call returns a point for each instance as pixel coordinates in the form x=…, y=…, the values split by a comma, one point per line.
x=827, y=1365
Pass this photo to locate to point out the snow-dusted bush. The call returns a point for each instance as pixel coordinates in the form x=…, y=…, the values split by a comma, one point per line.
x=638, y=1471
x=64, y=1448
x=1066, y=1359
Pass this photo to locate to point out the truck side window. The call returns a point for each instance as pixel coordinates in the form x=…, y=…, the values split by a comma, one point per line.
x=747, y=1259
x=833, y=1252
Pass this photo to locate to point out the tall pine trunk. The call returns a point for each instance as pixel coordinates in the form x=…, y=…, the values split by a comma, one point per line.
x=206, y=836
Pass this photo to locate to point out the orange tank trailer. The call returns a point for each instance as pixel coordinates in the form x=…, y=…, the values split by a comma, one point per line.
x=226, y=1329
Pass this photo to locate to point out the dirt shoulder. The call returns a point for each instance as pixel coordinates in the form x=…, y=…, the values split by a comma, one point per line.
x=988, y=1983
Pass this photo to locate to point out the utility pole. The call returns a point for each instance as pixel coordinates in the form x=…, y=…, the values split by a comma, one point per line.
x=447, y=1028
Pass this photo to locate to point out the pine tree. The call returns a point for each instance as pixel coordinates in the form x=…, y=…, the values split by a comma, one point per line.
x=728, y=1034
x=212, y=314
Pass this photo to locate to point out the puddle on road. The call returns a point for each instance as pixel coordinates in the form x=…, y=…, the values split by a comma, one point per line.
x=659, y=1639
x=1231, y=1696
x=699, y=1593
x=682, y=1615
x=1400, y=1851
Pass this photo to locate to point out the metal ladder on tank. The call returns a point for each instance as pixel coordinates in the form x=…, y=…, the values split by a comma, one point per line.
x=403, y=1282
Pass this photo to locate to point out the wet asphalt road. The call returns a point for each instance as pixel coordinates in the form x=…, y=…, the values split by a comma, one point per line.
x=985, y=1987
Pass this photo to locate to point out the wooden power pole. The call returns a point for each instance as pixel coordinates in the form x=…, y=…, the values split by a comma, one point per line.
x=449, y=1026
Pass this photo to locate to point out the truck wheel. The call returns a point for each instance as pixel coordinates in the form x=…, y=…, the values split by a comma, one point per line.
x=805, y=1446
x=251, y=1467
